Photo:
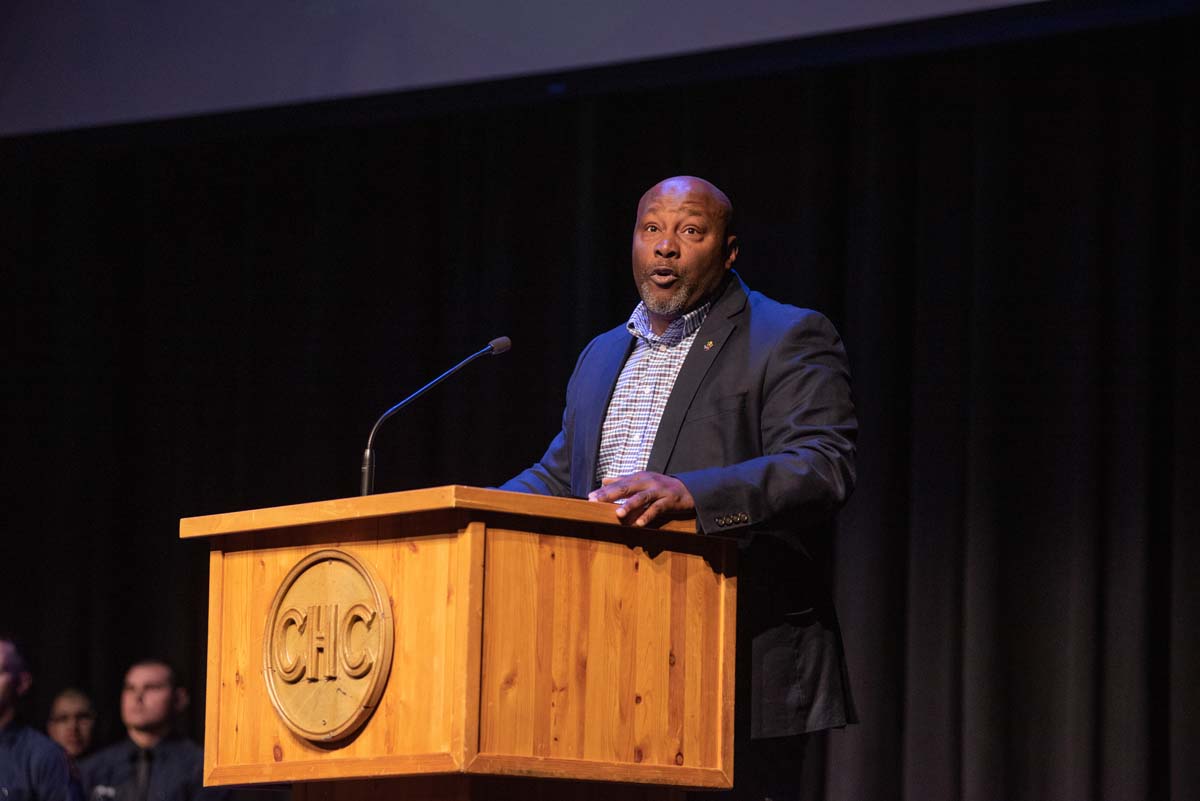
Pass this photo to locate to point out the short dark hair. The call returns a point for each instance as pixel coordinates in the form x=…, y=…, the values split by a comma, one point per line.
x=150, y=661
x=73, y=692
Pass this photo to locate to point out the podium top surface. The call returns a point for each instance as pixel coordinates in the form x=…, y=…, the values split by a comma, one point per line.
x=432, y=499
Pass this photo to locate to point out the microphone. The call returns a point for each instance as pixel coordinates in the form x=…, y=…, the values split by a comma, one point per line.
x=495, y=347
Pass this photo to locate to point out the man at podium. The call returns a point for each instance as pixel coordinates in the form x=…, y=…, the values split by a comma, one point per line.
x=717, y=402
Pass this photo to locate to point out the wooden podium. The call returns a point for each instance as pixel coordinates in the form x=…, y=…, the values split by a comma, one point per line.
x=483, y=645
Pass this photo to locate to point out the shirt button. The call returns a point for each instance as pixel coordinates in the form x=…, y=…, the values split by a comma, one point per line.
x=662, y=347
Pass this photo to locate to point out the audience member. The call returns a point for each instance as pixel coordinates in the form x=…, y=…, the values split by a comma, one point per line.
x=32, y=767
x=71, y=722
x=154, y=762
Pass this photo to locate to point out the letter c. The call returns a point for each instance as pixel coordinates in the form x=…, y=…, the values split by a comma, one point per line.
x=290, y=671
x=360, y=664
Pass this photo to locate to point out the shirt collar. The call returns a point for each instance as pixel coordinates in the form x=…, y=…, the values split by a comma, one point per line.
x=161, y=746
x=678, y=330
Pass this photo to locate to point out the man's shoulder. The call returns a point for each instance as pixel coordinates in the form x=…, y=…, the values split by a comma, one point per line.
x=111, y=751
x=614, y=338
x=31, y=763
x=36, y=745
x=118, y=756
x=772, y=314
x=103, y=759
x=46, y=747
x=182, y=748
x=616, y=335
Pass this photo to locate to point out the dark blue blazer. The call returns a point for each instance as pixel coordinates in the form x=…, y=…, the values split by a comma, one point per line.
x=760, y=427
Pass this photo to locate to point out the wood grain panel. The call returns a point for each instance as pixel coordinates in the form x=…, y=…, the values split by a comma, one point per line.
x=677, y=658
x=422, y=712
x=212, y=690
x=653, y=668
x=467, y=642
x=543, y=669
x=607, y=730
x=727, y=591
x=606, y=657
x=317, y=769
x=570, y=609
x=509, y=656
x=702, y=660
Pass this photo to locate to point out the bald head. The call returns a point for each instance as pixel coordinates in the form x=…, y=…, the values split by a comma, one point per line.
x=685, y=184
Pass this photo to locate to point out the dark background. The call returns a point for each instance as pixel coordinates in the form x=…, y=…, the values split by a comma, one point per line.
x=206, y=315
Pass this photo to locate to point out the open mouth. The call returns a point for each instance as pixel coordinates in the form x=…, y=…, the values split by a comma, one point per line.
x=663, y=276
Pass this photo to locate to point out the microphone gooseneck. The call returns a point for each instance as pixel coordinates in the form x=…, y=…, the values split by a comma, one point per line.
x=495, y=347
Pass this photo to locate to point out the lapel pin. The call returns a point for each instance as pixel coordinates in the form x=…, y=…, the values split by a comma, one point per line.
x=708, y=345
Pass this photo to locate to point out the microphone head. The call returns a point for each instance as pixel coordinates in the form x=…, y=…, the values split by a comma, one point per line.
x=500, y=345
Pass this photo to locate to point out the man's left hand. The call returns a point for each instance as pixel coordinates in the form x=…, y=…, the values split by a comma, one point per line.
x=648, y=496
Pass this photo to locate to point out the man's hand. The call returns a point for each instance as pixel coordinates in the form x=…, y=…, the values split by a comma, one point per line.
x=647, y=496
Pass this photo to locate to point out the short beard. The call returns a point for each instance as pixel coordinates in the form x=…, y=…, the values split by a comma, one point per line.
x=673, y=306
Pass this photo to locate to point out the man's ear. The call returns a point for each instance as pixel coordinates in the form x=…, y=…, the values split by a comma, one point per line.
x=180, y=700
x=24, y=682
x=731, y=250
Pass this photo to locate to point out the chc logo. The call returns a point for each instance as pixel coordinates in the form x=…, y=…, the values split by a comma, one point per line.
x=327, y=646
x=321, y=631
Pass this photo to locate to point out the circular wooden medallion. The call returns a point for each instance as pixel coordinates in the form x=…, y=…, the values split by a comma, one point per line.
x=327, y=646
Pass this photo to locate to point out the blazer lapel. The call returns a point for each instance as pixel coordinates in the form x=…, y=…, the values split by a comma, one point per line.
x=607, y=362
x=717, y=328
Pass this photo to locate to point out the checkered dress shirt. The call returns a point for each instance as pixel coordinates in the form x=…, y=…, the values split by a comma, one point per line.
x=642, y=390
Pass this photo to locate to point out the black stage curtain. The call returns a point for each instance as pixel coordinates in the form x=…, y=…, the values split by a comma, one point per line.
x=1005, y=235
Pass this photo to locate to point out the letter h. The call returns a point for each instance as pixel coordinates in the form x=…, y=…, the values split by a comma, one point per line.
x=322, y=640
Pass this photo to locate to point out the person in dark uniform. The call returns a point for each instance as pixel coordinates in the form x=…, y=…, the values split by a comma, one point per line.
x=32, y=766
x=153, y=762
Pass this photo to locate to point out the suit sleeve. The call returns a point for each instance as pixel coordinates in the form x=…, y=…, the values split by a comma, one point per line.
x=808, y=431
x=551, y=475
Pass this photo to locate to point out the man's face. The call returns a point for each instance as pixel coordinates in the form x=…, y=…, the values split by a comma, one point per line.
x=71, y=723
x=680, y=247
x=148, y=699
